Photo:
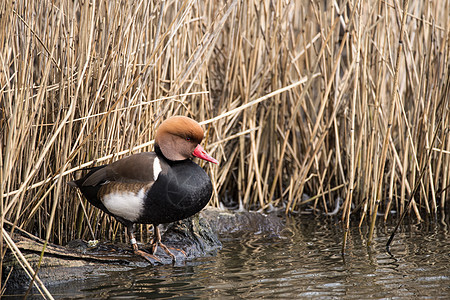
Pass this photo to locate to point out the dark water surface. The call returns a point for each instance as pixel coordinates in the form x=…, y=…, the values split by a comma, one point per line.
x=305, y=262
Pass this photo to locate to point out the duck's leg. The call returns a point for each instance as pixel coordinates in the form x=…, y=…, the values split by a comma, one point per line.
x=157, y=242
x=134, y=245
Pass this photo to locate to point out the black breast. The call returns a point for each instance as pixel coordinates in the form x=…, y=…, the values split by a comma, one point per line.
x=179, y=193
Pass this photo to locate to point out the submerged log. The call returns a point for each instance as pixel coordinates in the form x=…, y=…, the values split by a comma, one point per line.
x=197, y=236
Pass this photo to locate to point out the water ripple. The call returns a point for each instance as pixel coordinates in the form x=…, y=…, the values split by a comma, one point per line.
x=305, y=263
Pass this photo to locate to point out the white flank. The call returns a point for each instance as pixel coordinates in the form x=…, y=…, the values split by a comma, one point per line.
x=156, y=168
x=127, y=205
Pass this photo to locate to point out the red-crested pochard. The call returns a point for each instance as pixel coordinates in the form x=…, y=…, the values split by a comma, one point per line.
x=154, y=187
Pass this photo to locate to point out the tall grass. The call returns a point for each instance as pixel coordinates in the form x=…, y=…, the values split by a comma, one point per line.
x=305, y=103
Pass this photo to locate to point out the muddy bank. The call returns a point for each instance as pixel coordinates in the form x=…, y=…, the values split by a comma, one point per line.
x=198, y=236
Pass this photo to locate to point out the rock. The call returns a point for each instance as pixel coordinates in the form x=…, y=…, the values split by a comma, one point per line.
x=231, y=223
x=194, y=235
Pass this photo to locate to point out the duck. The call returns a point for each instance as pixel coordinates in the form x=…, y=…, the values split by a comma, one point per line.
x=155, y=188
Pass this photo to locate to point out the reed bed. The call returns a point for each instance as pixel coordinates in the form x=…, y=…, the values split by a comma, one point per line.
x=306, y=104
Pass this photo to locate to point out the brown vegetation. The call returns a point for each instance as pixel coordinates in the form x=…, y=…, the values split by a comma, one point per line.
x=332, y=99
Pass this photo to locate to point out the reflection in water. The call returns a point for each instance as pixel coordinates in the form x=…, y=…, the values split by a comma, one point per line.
x=304, y=262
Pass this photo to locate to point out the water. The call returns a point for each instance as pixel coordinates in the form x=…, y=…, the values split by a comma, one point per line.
x=305, y=262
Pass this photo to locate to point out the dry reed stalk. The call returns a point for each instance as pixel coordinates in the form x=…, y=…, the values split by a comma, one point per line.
x=349, y=197
x=26, y=266
x=387, y=135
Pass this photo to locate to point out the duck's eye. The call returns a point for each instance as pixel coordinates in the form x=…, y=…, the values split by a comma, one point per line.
x=188, y=138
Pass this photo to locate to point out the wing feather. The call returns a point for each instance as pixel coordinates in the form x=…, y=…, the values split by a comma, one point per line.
x=132, y=169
